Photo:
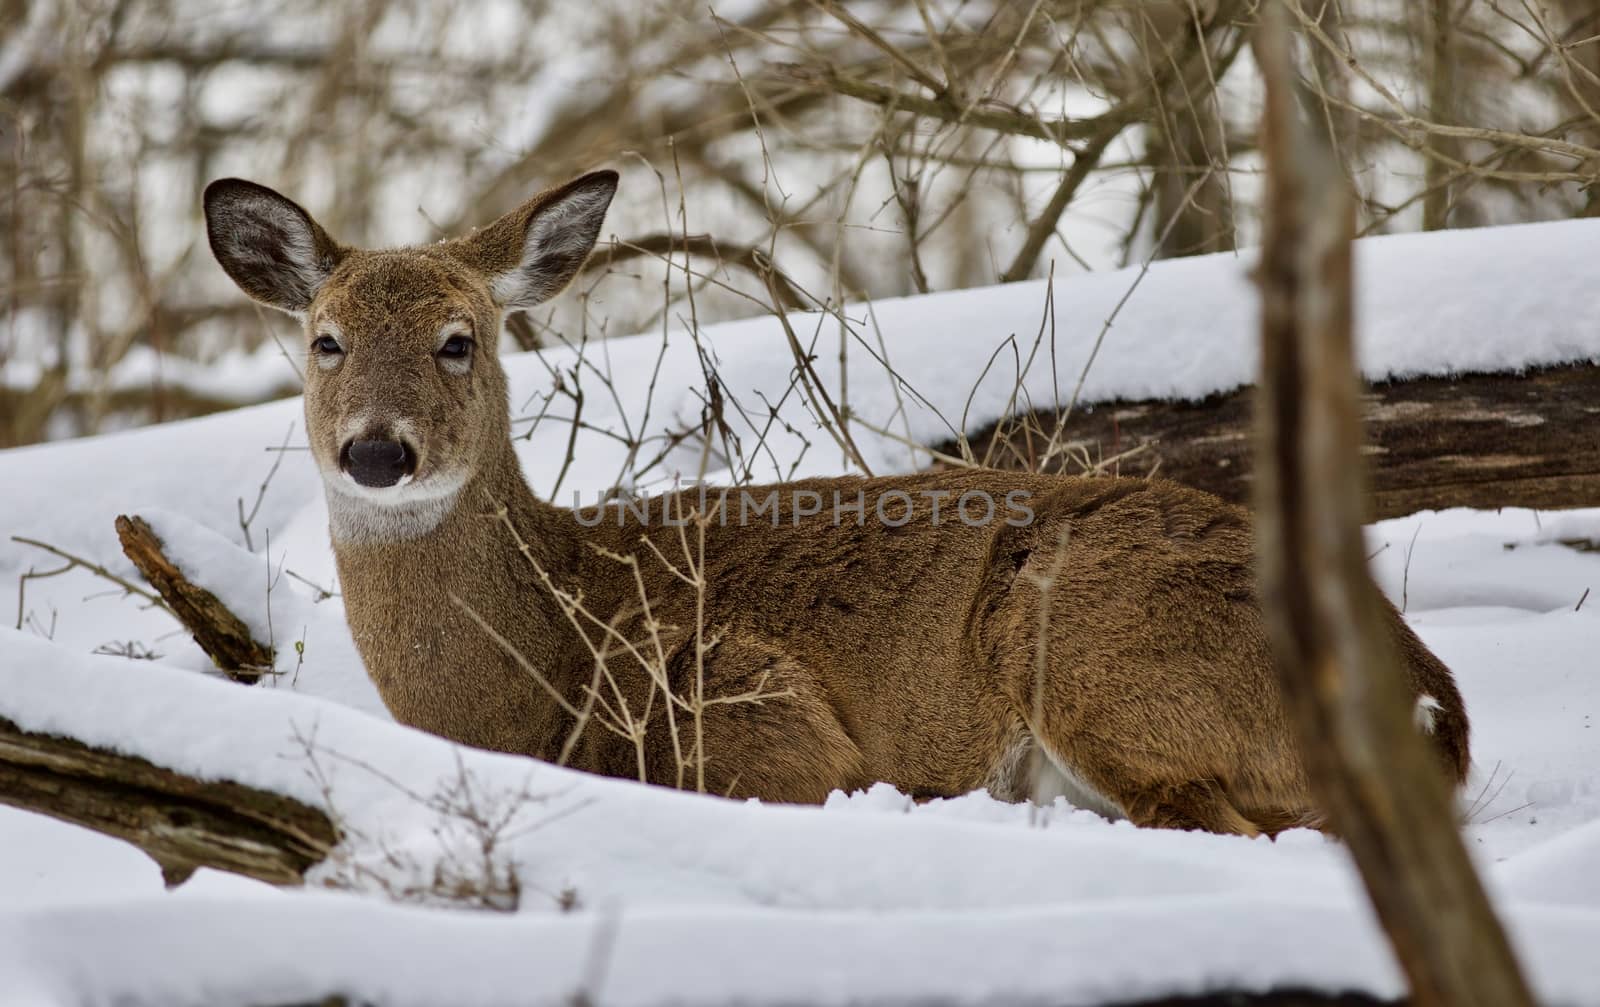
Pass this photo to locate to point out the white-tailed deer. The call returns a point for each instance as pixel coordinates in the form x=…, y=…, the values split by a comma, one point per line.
x=1093, y=637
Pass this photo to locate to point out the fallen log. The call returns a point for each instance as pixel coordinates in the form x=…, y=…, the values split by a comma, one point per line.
x=221, y=634
x=1473, y=440
x=181, y=822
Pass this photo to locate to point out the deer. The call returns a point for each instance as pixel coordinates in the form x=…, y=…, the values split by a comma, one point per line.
x=1104, y=642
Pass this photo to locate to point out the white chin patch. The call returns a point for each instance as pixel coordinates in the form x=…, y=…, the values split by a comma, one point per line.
x=407, y=491
x=407, y=510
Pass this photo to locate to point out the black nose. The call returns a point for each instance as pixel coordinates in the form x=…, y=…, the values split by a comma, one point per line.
x=377, y=463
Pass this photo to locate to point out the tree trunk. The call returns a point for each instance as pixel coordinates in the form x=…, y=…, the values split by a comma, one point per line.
x=1369, y=767
x=1186, y=145
x=1440, y=35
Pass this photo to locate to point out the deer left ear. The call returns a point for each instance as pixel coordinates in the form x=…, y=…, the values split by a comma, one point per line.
x=533, y=252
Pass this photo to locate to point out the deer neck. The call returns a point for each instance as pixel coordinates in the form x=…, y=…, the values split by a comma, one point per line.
x=430, y=583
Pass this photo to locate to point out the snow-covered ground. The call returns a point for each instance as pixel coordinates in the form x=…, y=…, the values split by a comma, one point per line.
x=635, y=895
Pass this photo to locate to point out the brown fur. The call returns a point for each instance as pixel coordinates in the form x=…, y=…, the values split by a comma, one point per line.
x=905, y=654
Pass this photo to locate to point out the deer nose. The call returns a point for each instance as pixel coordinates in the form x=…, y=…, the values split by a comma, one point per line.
x=377, y=463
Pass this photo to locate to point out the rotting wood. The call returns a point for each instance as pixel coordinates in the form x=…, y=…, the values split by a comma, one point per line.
x=1370, y=769
x=1474, y=440
x=181, y=822
x=220, y=633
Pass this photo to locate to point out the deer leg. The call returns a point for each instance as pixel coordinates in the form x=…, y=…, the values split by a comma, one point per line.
x=1121, y=784
x=1198, y=804
x=765, y=729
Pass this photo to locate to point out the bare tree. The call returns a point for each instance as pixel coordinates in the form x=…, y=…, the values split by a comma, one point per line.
x=1441, y=35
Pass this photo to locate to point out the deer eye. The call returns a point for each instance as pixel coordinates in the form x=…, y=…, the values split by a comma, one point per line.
x=327, y=345
x=455, y=348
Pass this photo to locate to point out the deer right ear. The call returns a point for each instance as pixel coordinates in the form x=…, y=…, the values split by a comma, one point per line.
x=270, y=246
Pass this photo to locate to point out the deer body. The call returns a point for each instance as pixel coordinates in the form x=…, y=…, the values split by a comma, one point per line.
x=1110, y=647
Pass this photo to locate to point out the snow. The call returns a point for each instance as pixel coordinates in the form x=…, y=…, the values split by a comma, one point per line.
x=689, y=899
x=888, y=894
x=1066, y=955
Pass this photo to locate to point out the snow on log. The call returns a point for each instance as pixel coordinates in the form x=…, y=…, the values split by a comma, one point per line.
x=183, y=823
x=1528, y=439
x=219, y=632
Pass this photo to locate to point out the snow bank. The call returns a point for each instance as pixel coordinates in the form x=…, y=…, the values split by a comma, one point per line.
x=707, y=900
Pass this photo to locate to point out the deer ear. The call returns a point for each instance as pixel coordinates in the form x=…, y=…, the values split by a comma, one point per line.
x=270, y=246
x=533, y=252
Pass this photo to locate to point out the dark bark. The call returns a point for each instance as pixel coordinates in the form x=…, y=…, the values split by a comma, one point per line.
x=183, y=823
x=1475, y=440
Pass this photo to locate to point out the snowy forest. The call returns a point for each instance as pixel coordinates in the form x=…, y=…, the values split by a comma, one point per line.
x=335, y=676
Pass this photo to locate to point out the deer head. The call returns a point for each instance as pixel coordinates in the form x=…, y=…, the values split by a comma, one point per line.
x=405, y=395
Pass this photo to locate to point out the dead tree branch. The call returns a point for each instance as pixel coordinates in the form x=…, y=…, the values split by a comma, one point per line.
x=220, y=633
x=1194, y=71
x=747, y=257
x=990, y=114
